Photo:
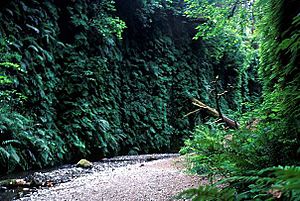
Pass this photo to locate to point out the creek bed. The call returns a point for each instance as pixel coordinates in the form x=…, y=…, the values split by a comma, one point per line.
x=65, y=173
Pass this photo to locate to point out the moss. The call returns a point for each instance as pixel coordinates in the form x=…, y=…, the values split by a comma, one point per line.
x=84, y=164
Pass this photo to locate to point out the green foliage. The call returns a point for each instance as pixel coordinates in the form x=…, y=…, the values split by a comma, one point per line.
x=279, y=65
x=226, y=23
x=267, y=184
x=228, y=27
x=227, y=17
x=207, y=151
x=241, y=159
x=12, y=123
x=207, y=193
x=273, y=139
x=213, y=151
x=31, y=135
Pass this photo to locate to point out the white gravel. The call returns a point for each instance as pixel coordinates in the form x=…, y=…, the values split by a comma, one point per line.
x=156, y=180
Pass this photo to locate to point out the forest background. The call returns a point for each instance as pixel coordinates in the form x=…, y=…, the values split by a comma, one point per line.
x=100, y=78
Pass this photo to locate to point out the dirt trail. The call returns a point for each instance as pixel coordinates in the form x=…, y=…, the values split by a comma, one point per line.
x=155, y=180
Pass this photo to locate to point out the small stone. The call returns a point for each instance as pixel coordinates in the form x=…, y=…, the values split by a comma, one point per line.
x=3, y=188
x=84, y=164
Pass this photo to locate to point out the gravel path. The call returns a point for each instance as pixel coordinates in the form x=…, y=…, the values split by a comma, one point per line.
x=155, y=180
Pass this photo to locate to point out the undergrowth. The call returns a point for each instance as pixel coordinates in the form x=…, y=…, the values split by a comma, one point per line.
x=260, y=161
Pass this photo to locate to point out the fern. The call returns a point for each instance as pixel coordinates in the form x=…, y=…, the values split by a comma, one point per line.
x=266, y=184
x=4, y=154
x=207, y=193
x=14, y=142
x=290, y=178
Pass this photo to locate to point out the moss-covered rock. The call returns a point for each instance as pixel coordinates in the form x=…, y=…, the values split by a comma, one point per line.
x=84, y=164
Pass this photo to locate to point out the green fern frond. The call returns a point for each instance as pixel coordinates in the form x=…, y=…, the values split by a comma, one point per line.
x=7, y=142
x=207, y=193
x=289, y=176
x=4, y=153
x=14, y=158
x=10, y=65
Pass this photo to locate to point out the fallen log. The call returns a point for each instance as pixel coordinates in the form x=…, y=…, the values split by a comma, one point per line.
x=213, y=112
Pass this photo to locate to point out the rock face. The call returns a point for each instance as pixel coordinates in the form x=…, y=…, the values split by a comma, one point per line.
x=84, y=164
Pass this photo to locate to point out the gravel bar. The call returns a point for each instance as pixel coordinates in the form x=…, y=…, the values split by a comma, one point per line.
x=129, y=178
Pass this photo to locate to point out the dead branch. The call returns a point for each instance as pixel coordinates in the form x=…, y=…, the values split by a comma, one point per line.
x=192, y=112
x=213, y=112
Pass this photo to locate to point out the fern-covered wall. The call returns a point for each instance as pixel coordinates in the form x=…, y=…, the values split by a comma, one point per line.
x=86, y=92
x=280, y=73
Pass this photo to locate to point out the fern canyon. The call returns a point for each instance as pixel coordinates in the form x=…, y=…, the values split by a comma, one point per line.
x=216, y=81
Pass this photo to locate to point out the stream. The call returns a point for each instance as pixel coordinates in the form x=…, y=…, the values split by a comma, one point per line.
x=49, y=178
